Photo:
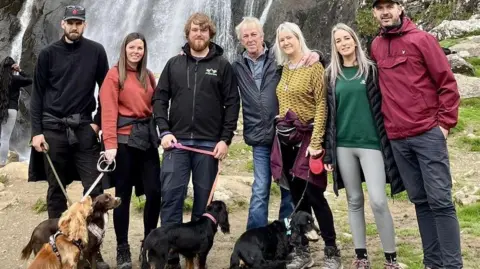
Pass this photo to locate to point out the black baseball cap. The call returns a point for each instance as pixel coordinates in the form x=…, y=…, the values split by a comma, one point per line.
x=74, y=12
x=392, y=1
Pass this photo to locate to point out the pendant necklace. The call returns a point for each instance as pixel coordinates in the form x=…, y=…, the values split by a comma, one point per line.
x=293, y=73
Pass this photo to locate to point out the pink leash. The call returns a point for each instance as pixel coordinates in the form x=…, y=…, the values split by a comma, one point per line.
x=206, y=152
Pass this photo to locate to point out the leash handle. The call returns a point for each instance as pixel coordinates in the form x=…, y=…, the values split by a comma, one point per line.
x=180, y=146
x=103, y=160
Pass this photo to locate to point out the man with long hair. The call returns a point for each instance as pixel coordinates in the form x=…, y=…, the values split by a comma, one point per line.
x=61, y=110
x=420, y=103
x=202, y=90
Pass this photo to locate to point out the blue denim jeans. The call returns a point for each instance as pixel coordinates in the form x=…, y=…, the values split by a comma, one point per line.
x=262, y=180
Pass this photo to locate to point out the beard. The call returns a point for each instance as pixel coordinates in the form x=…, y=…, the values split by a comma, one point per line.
x=73, y=36
x=198, y=45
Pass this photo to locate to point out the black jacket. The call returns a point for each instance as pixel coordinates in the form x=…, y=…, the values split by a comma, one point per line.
x=18, y=81
x=65, y=78
x=259, y=106
x=204, y=97
x=375, y=102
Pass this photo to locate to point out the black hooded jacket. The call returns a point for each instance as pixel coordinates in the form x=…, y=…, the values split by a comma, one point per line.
x=203, y=95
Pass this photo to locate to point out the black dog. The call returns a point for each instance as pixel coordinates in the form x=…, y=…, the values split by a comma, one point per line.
x=191, y=240
x=268, y=247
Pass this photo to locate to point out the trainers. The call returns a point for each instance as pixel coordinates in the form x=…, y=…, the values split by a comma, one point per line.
x=300, y=258
x=332, y=258
x=101, y=264
x=124, y=259
x=392, y=265
x=361, y=264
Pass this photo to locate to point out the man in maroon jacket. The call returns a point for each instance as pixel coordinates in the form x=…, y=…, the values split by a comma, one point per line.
x=420, y=106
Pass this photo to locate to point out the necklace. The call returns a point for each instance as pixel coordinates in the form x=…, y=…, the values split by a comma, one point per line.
x=293, y=73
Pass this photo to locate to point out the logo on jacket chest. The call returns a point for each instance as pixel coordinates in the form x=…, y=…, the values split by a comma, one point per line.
x=211, y=72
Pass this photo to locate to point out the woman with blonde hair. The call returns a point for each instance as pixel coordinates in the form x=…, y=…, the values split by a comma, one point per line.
x=300, y=127
x=357, y=147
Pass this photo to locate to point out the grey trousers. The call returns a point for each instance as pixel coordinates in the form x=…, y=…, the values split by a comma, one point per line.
x=425, y=171
x=6, y=133
x=371, y=162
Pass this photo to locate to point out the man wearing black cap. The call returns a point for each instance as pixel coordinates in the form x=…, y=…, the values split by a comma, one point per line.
x=61, y=110
x=420, y=104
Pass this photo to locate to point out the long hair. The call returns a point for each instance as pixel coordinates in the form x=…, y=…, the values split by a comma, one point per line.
x=334, y=69
x=142, y=71
x=282, y=57
x=6, y=74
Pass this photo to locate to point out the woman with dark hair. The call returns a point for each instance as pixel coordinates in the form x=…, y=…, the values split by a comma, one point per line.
x=10, y=85
x=130, y=137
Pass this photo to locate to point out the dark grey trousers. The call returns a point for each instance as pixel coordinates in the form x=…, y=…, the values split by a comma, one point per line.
x=425, y=171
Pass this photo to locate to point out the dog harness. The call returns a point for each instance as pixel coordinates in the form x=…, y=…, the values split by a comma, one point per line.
x=53, y=238
x=208, y=215
x=97, y=232
x=287, y=226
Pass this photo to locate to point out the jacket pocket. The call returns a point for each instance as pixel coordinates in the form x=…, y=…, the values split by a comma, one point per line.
x=391, y=63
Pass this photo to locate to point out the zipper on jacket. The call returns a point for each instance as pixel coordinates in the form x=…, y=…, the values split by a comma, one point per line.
x=194, y=96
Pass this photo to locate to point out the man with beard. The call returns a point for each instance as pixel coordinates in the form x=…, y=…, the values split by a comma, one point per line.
x=202, y=90
x=420, y=105
x=61, y=109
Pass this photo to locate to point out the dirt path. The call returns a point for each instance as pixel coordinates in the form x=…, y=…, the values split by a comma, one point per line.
x=18, y=220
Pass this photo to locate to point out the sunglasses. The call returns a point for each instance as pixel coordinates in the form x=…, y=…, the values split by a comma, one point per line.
x=75, y=7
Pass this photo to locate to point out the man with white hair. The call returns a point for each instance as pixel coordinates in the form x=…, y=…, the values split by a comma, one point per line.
x=259, y=106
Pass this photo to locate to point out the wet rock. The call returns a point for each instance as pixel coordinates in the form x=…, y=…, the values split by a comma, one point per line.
x=469, y=47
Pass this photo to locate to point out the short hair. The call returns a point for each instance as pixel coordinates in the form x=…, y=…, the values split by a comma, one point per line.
x=248, y=21
x=282, y=57
x=203, y=20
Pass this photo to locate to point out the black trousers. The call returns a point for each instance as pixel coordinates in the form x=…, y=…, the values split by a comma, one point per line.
x=136, y=167
x=312, y=199
x=83, y=155
x=176, y=168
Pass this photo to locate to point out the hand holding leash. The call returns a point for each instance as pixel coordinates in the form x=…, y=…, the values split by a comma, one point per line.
x=106, y=169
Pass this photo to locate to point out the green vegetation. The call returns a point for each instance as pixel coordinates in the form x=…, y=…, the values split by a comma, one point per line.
x=475, y=61
x=275, y=190
x=40, y=206
x=438, y=12
x=469, y=218
x=237, y=150
x=249, y=166
x=366, y=23
x=469, y=120
x=188, y=204
x=138, y=203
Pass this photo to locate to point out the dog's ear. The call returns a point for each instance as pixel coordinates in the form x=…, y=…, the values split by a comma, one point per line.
x=223, y=219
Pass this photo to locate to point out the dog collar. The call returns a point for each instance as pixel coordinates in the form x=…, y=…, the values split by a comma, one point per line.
x=208, y=215
x=97, y=232
x=287, y=226
x=51, y=241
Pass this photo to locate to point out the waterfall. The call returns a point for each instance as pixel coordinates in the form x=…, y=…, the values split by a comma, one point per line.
x=264, y=16
x=24, y=17
x=161, y=21
x=248, y=9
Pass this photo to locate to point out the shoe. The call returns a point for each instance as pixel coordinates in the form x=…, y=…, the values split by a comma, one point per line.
x=392, y=265
x=332, y=258
x=361, y=264
x=124, y=257
x=300, y=258
x=101, y=264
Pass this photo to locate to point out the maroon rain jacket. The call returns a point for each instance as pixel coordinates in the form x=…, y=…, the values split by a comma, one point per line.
x=418, y=88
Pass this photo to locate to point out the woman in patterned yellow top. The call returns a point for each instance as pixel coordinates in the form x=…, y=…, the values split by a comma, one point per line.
x=301, y=95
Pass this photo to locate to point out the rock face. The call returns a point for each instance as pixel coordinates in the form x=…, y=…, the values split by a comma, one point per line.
x=459, y=65
x=469, y=47
x=456, y=28
x=9, y=24
x=468, y=86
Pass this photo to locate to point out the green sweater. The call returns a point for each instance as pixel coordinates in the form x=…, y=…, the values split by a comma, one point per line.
x=354, y=121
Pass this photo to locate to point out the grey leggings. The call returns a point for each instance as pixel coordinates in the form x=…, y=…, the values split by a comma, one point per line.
x=371, y=162
x=7, y=129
